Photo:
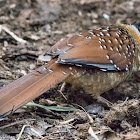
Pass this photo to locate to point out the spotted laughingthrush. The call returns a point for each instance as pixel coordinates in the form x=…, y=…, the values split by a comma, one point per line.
x=96, y=60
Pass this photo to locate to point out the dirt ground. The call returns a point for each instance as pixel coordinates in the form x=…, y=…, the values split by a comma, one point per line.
x=42, y=23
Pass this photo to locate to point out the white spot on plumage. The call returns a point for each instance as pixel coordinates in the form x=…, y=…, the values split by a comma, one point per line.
x=116, y=39
x=62, y=60
x=120, y=46
x=78, y=65
x=125, y=56
x=97, y=34
x=117, y=49
x=50, y=70
x=104, y=30
x=120, y=54
x=121, y=42
x=108, y=34
x=107, y=56
x=126, y=69
x=127, y=49
x=104, y=46
x=117, y=34
x=118, y=68
x=70, y=45
x=101, y=33
x=115, y=66
x=64, y=72
x=103, y=40
x=108, y=28
x=70, y=68
x=109, y=41
x=111, y=61
x=71, y=73
x=91, y=32
x=101, y=46
x=103, y=69
x=111, y=48
x=130, y=63
x=128, y=46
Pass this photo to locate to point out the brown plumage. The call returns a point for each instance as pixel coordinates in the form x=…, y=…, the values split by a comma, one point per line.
x=96, y=60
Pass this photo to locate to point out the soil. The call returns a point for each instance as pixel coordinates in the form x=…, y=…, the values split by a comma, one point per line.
x=42, y=23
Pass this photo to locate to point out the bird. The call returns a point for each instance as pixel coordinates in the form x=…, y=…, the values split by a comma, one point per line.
x=96, y=60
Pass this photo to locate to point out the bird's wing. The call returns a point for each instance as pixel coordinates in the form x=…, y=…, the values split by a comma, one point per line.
x=106, y=49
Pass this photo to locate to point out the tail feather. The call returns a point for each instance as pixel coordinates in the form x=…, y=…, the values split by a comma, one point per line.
x=31, y=86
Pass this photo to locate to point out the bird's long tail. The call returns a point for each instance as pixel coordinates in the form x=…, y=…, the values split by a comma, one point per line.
x=30, y=86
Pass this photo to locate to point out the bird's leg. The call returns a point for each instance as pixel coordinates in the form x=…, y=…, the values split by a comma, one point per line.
x=105, y=101
x=62, y=89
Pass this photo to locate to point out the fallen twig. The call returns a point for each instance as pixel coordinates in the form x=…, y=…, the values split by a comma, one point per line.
x=14, y=123
x=2, y=27
x=66, y=122
x=91, y=132
x=21, y=132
